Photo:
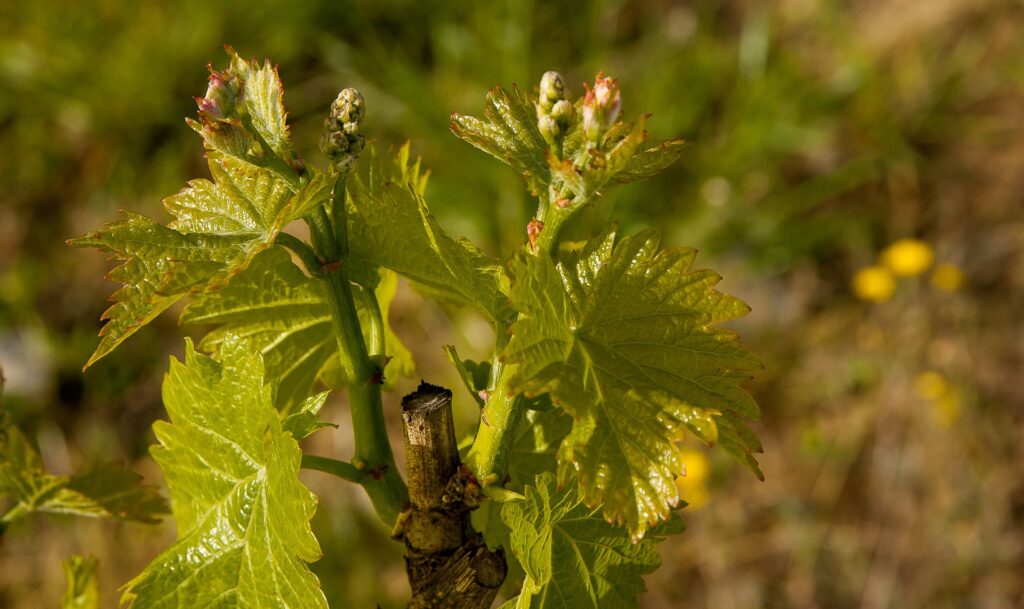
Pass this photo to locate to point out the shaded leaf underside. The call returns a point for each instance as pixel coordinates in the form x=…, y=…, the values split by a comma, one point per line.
x=571, y=556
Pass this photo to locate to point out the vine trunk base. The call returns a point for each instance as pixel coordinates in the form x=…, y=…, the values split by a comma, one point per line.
x=448, y=564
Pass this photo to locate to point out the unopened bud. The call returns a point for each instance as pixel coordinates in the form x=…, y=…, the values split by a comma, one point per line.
x=341, y=141
x=223, y=98
x=348, y=107
x=562, y=113
x=552, y=90
x=533, y=231
x=554, y=112
x=601, y=107
x=549, y=129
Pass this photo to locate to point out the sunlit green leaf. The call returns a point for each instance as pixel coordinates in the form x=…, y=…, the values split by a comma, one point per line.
x=284, y=314
x=306, y=421
x=651, y=159
x=219, y=226
x=509, y=133
x=242, y=514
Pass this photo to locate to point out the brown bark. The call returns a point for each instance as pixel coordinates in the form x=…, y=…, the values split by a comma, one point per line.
x=448, y=564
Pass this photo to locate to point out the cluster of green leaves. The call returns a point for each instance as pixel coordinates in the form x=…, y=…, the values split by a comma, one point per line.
x=611, y=348
x=619, y=334
x=509, y=133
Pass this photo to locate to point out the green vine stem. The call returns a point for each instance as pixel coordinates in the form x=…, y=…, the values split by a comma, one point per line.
x=383, y=482
x=504, y=410
x=341, y=469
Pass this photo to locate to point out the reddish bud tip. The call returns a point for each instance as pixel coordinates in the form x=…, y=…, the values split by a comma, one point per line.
x=533, y=231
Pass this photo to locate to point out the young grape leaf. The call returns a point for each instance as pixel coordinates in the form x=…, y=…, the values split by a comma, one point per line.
x=626, y=154
x=650, y=159
x=533, y=453
x=586, y=171
x=263, y=97
x=82, y=591
x=243, y=109
x=243, y=516
x=219, y=225
x=106, y=491
x=389, y=225
x=285, y=315
x=306, y=421
x=509, y=134
x=621, y=336
x=572, y=557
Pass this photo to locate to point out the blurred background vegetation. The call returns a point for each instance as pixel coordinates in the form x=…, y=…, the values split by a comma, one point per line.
x=855, y=171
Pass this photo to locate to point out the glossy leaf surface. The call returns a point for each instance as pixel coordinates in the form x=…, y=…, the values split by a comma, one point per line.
x=242, y=514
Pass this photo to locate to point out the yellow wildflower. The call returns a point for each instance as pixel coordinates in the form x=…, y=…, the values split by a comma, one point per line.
x=947, y=277
x=907, y=257
x=692, y=484
x=943, y=398
x=930, y=385
x=947, y=409
x=874, y=283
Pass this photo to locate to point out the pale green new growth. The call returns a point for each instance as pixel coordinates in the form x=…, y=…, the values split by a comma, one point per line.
x=219, y=225
x=243, y=108
x=106, y=491
x=572, y=558
x=509, y=134
x=219, y=228
x=306, y=421
x=82, y=590
x=620, y=335
x=242, y=514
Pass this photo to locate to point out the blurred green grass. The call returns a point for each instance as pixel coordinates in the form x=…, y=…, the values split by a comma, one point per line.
x=820, y=131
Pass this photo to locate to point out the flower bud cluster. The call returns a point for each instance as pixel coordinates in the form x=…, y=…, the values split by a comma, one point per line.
x=220, y=113
x=554, y=111
x=341, y=141
x=223, y=100
x=601, y=107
